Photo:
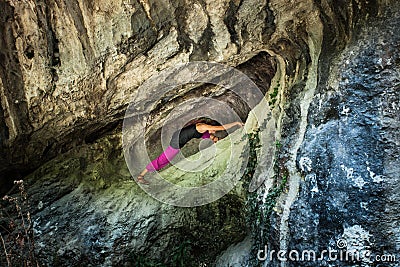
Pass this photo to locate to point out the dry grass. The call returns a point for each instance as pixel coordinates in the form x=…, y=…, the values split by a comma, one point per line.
x=16, y=230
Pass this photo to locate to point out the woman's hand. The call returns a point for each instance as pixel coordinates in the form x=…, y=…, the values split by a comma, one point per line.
x=214, y=138
x=239, y=123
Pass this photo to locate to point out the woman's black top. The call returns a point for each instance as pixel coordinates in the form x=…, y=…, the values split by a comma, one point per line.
x=181, y=137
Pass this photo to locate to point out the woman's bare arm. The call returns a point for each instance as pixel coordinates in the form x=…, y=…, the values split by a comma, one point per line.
x=202, y=127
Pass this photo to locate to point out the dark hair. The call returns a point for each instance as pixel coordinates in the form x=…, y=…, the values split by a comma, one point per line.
x=202, y=120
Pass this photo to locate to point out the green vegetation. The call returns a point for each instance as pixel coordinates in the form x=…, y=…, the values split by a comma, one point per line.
x=254, y=144
x=261, y=206
x=278, y=144
x=273, y=95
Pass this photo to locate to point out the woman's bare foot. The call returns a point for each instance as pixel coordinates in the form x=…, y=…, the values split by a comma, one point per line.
x=141, y=180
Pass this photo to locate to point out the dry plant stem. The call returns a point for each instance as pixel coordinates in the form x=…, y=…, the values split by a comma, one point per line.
x=26, y=232
x=26, y=228
x=22, y=205
x=5, y=251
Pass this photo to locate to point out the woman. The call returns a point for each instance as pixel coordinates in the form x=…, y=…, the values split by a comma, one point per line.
x=194, y=129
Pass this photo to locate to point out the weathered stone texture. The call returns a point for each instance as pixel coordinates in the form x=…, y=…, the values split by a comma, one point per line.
x=330, y=70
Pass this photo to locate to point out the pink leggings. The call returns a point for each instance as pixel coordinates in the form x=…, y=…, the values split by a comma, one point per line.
x=166, y=157
x=162, y=160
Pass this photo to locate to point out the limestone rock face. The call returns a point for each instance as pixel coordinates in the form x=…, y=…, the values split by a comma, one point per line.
x=89, y=211
x=70, y=68
x=350, y=153
x=329, y=70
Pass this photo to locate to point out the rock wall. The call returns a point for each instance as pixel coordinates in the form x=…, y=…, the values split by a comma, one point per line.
x=87, y=210
x=70, y=68
x=349, y=156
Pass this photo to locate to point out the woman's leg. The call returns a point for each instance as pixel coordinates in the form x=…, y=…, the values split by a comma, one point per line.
x=141, y=177
x=160, y=162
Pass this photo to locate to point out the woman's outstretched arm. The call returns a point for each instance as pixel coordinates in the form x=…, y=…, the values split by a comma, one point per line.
x=202, y=127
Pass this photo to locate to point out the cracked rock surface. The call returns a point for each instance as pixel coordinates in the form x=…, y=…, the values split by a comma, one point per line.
x=328, y=69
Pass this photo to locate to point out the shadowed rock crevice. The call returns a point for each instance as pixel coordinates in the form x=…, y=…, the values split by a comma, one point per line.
x=4, y=132
x=144, y=35
x=75, y=12
x=17, y=128
x=203, y=48
x=180, y=14
x=260, y=69
x=269, y=26
x=336, y=28
x=44, y=22
x=231, y=21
